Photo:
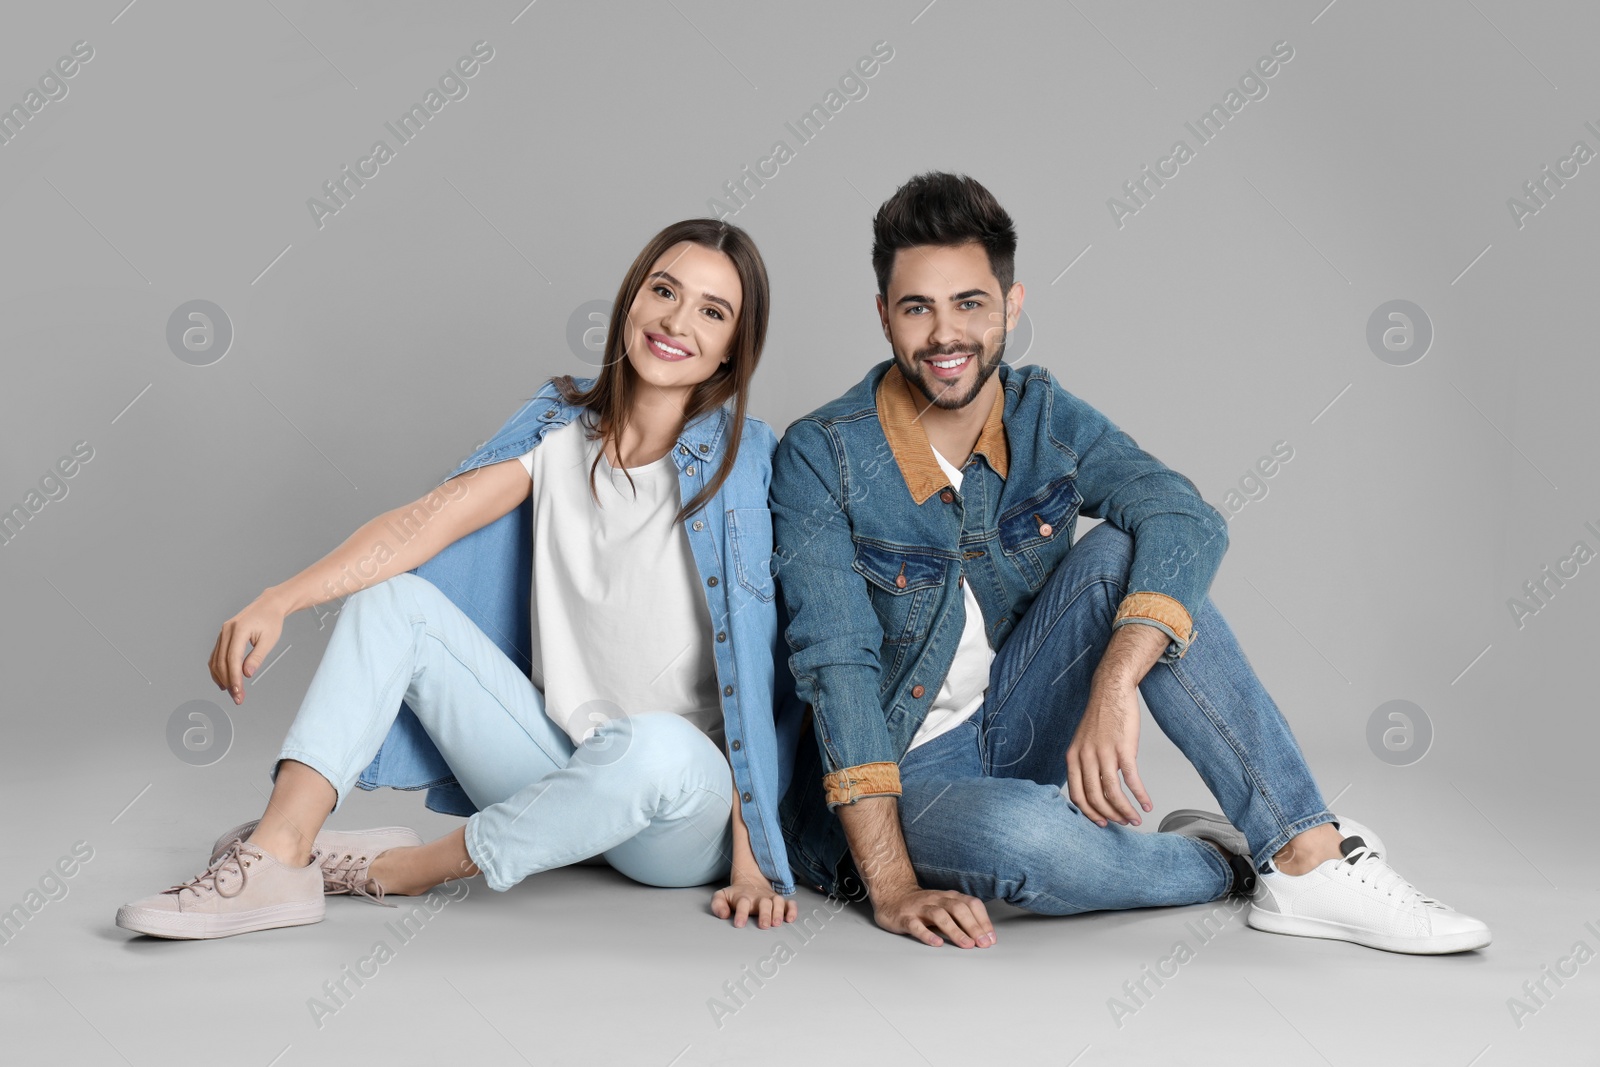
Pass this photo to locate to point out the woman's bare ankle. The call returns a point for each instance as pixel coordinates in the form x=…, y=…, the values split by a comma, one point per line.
x=390, y=869
x=287, y=849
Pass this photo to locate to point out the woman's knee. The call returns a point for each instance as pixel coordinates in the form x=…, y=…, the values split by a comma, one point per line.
x=659, y=745
x=404, y=593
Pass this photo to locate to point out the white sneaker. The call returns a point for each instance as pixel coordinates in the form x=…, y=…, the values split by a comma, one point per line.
x=1360, y=898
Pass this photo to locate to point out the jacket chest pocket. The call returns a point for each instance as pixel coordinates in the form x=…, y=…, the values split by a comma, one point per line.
x=750, y=538
x=904, y=587
x=1035, y=534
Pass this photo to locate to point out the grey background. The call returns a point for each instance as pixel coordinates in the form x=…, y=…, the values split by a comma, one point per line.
x=369, y=355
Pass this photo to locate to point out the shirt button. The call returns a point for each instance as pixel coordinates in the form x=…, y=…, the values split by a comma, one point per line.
x=727, y=690
x=711, y=580
x=689, y=470
x=900, y=581
x=947, y=496
x=917, y=691
x=1045, y=530
x=722, y=635
x=736, y=746
x=698, y=525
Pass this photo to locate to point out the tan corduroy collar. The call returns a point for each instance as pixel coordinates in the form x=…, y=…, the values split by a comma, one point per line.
x=899, y=409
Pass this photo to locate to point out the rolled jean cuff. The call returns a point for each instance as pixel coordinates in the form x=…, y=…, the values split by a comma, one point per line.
x=1283, y=836
x=481, y=853
x=850, y=784
x=318, y=764
x=1164, y=613
x=1219, y=864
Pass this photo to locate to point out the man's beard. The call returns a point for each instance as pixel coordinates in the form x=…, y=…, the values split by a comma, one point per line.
x=937, y=392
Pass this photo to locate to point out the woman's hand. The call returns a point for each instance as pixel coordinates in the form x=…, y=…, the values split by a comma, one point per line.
x=750, y=892
x=259, y=625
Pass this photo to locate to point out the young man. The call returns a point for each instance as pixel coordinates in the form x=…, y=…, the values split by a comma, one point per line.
x=964, y=660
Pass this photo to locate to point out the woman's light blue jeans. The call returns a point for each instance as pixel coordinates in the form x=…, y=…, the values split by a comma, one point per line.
x=984, y=808
x=650, y=793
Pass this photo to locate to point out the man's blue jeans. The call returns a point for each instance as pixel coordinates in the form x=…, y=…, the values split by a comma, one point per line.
x=984, y=808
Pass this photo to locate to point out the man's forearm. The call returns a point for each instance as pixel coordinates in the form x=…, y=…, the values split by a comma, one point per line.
x=872, y=827
x=1130, y=654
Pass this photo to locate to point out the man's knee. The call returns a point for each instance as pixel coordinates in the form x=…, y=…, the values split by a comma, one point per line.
x=1104, y=551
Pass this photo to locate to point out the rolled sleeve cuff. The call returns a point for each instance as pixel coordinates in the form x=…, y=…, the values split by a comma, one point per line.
x=1164, y=613
x=850, y=784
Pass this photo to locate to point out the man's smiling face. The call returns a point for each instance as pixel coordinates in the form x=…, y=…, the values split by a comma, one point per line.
x=947, y=320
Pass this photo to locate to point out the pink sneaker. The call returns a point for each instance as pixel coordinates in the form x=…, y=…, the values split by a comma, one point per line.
x=244, y=889
x=345, y=856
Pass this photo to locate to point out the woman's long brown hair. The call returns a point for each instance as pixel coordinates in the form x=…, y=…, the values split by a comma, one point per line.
x=611, y=394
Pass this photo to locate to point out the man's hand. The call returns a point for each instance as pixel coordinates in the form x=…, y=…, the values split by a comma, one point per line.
x=751, y=893
x=921, y=912
x=1107, y=739
x=899, y=905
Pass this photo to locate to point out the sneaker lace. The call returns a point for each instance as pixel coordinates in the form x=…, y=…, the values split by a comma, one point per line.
x=1369, y=867
x=233, y=857
x=347, y=873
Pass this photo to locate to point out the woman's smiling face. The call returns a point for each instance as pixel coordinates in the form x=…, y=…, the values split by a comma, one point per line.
x=681, y=322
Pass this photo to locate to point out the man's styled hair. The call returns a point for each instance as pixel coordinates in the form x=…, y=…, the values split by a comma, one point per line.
x=936, y=208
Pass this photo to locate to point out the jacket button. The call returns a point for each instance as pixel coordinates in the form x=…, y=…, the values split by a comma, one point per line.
x=745, y=797
x=711, y=580
x=550, y=413
x=722, y=635
x=705, y=448
x=900, y=581
x=961, y=580
x=727, y=690
x=917, y=691
x=698, y=525
x=736, y=746
x=947, y=496
x=689, y=470
x=1045, y=530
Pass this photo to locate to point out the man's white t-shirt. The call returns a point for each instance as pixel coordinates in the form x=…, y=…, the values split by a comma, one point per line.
x=964, y=687
x=620, y=625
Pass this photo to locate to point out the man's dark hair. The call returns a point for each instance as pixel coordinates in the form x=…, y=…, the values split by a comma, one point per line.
x=943, y=209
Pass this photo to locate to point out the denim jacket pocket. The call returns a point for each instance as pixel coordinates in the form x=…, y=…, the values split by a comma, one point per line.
x=903, y=587
x=1035, y=533
x=750, y=535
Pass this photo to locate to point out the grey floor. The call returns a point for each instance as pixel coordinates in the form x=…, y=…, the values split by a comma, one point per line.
x=581, y=966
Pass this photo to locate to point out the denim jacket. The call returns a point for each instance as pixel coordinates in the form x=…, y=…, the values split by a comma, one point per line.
x=874, y=545
x=488, y=574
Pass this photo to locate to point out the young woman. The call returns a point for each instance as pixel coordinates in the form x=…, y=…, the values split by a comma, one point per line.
x=572, y=640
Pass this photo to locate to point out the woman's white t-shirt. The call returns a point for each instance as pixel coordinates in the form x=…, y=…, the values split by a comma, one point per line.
x=620, y=624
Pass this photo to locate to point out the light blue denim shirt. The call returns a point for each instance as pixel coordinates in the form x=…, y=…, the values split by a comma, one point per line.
x=488, y=574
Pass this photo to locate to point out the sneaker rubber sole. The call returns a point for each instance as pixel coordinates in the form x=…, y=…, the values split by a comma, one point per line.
x=199, y=926
x=1300, y=926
